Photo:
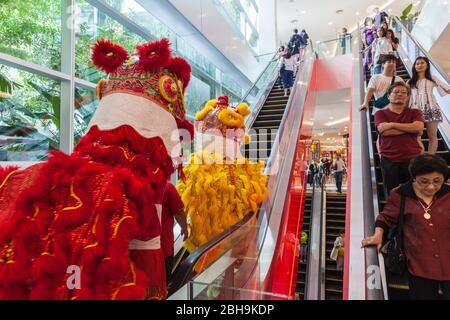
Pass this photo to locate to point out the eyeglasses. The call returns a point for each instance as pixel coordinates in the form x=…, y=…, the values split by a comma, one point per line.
x=400, y=92
x=426, y=182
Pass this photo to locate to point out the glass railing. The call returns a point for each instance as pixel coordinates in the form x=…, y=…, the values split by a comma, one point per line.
x=409, y=50
x=260, y=90
x=334, y=47
x=219, y=290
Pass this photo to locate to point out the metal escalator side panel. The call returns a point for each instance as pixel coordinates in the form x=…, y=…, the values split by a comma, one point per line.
x=287, y=160
x=360, y=199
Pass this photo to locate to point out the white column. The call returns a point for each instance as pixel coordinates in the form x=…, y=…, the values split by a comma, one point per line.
x=267, y=16
x=68, y=67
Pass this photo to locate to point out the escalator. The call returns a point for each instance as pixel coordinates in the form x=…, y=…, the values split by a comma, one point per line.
x=398, y=286
x=302, y=264
x=268, y=119
x=335, y=221
x=233, y=256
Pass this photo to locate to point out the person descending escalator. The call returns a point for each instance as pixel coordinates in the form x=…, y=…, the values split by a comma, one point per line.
x=426, y=235
x=303, y=246
x=422, y=84
x=337, y=254
x=338, y=170
x=398, y=127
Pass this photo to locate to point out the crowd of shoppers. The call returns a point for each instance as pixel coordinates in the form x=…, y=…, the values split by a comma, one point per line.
x=290, y=57
x=412, y=175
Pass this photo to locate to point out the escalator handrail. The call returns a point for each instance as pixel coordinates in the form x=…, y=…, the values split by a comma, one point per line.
x=363, y=194
x=182, y=276
x=443, y=74
x=310, y=238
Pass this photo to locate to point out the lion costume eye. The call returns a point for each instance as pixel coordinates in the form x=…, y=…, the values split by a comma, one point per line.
x=168, y=88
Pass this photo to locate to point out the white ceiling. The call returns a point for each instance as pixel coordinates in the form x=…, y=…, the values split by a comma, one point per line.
x=314, y=15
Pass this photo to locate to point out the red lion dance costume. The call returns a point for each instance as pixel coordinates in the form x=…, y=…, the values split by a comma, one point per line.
x=100, y=207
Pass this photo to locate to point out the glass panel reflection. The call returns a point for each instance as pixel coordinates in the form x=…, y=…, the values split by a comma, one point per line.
x=29, y=115
x=86, y=103
x=31, y=30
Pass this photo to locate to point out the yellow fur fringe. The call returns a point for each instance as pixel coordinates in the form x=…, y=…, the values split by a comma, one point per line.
x=217, y=195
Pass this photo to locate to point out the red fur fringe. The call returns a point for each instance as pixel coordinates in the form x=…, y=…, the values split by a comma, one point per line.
x=108, y=56
x=185, y=124
x=129, y=187
x=182, y=69
x=154, y=55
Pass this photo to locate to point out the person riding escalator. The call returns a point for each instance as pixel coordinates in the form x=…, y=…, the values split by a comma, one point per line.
x=426, y=236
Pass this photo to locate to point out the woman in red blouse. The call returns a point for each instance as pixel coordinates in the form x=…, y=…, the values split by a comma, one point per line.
x=426, y=229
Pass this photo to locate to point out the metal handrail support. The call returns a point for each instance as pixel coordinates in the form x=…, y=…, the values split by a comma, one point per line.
x=363, y=199
x=314, y=275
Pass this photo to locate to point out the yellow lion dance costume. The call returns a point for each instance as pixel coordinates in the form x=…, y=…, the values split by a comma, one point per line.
x=221, y=186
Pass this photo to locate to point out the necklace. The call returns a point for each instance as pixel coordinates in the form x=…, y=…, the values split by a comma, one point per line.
x=426, y=209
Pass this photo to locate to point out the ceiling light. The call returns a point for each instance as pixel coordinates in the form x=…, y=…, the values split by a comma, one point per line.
x=328, y=124
x=357, y=13
x=303, y=11
x=330, y=23
x=331, y=118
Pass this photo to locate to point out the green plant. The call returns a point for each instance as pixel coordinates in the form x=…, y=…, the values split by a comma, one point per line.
x=406, y=12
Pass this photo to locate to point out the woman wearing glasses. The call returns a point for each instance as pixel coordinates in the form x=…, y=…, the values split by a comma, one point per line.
x=426, y=228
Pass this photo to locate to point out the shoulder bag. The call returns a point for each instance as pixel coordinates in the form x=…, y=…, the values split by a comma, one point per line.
x=393, y=251
x=383, y=101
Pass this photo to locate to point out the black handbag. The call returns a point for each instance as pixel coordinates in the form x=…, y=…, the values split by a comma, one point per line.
x=393, y=251
x=383, y=101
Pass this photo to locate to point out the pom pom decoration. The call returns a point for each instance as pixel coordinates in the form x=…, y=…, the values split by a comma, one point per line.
x=182, y=69
x=243, y=109
x=108, y=56
x=154, y=55
x=209, y=106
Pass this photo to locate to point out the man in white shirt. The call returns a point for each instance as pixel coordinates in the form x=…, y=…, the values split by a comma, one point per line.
x=379, y=83
x=338, y=168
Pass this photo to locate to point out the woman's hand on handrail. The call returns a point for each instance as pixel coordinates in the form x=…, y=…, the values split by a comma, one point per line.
x=375, y=240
